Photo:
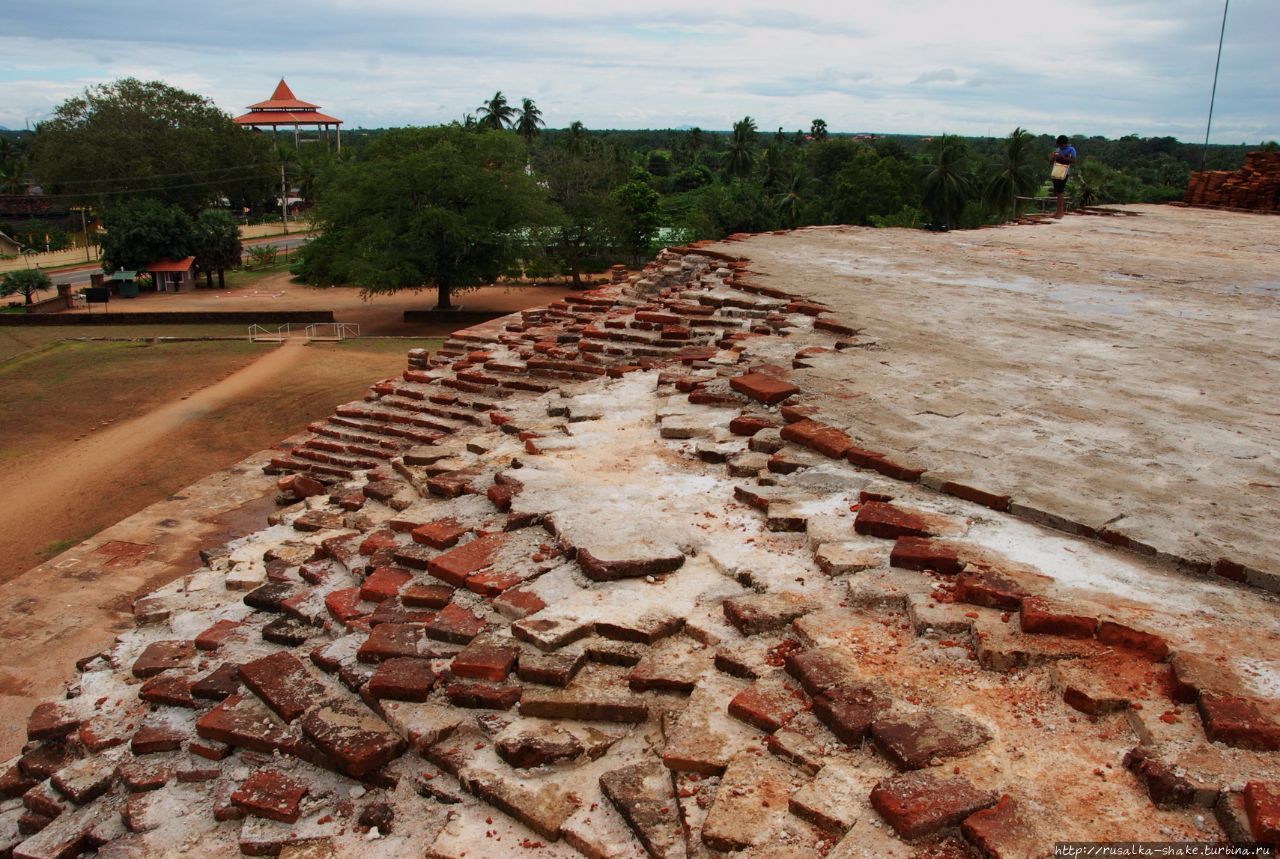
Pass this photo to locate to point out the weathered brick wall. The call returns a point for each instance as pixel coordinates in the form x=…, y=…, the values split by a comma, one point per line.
x=1255, y=187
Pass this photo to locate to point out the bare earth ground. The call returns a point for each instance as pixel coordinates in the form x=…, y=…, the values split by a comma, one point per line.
x=1121, y=370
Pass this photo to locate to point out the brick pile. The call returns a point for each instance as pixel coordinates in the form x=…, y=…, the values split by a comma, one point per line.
x=598, y=580
x=1254, y=188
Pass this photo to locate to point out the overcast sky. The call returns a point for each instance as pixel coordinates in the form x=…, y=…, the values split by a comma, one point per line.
x=1084, y=67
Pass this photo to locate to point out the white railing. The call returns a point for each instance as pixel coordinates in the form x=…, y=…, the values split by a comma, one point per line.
x=332, y=332
x=258, y=334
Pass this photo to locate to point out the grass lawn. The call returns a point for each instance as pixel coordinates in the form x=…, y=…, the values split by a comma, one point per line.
x=19, y=339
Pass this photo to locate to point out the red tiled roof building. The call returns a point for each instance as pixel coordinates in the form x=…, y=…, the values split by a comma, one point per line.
x=284, y=108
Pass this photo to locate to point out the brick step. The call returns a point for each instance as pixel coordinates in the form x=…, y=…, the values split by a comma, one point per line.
x=285, y=463
x=326, y=458
x=329, y=445
x=412, y=434
x=347, y=434
x=425, y=414
x=390, y=411
x=510, y=382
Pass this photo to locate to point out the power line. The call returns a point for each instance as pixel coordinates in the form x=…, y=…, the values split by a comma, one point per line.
x=154, y=176
x=1204, y=156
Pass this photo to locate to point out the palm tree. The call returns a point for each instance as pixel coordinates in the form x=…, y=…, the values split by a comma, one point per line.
x=530, y=123
x=741, y=158
x=577, y=136
x=695, y=139
x=775, y=166
x=496, y=113
x=946, y=187
x=1015, y=175
x=818, y=129
x=790, y=199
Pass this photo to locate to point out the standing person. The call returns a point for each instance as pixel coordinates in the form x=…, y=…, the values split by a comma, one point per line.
x=1062, y=157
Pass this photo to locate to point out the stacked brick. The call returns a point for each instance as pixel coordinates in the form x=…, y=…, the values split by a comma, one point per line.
x=462, y=635
x=1254, y=188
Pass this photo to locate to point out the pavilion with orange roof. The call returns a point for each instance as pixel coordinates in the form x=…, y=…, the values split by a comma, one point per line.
x=284, y=108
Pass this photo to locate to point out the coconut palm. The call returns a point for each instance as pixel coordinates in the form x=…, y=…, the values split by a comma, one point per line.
x=577, y=136
x=496, y=113
x=1015, y=175
x=790, y=199
x=946, y=186
x=775, y=169
x=530, y=123
x=695, y=139
x=741, y=157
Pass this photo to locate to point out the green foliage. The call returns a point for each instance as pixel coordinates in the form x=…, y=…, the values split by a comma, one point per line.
x=637, y=218
x=947, y=187
x=869, y=186
x=1014, y=175
x=496, y=113
x=134, y=139
x=216, y=244
x=25, y=282
x=426, y=206
x=818, y=130
x=529, y=124
x=1096, y=183
x=141, y=231
x=262, y=256
x=692, y=177
x=742, y=157
x=580, y=182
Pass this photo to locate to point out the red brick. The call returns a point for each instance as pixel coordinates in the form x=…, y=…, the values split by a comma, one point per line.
x=1040, y=617
x=797, y=412
x=390, y=640
x=862, y=457
x=440, y=534
x=168, y=689
x=896, y=470
x=351, y=500
x=500, y=495
x=485, y=696
x=161, y=656
x=768, y=705
x=1165, y=786
x=977, y=496
x=344, y=604
x=300, y=485
x=14, y=783
x=749, y=425
x=824, y=324
x=920, y=553
x=270, y=794
x=1262, y=805
x=155, y=737
x=765, y=389
x=454, y=566
x=817, y=669
x=1001, y=831
x=915, y=740
x=219, y=683
x=381, y=539
x=826, y=440
x=491, y=583
x=878, y=519
x=848, y=711
x=142, y=776
x=384, y=583
x=485, y=661
x=353, y=737
x=283, y=683
x=45, y=760
x=1147, y=643
x=426, y=596
x=918, y=804
x=51, y=721
x=986, y=588
x=518, y=603
x=213, y=637
x=402, y=679
x=456, y=624
x=1237, y=721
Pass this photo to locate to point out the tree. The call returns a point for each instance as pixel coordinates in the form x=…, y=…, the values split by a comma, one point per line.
x=869, y=186
x=1015, y=174
x=577, y=135
x=25, y=282
x=818, y=129
x=638, y=217
x=946, y=186
x=133, y=139
x=425, y=207
x=216, y=244
x=496, y=113
x=139, y=232
x=741, y=157
x=530, y=123
x=580, y=182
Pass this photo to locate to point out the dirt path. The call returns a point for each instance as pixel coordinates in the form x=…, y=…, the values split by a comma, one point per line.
x=61, y=486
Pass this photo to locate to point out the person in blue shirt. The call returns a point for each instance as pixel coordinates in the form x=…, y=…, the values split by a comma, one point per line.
x=1064, y=155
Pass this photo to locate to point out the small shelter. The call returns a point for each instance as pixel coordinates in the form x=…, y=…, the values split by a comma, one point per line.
x=283, y=108
x=9, y=247
x=173, y=275
x=124, y=283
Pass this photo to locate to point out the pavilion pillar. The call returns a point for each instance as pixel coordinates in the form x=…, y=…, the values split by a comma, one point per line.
x=339, y=139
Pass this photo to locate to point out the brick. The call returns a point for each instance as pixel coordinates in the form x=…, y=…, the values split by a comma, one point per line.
x=485, y=661
x=456, y=624
x=172, y=690
x=606, y=562
x=143, y=776
x=383, y=584
x=162, y=656
x=439, y=534
x=85, y=780
x=550, y=633
x=218, y=683
x=300, y=485
x=749, y=425
x=1166, y=787
x=920, y=553
x=644, y=795
x=343, y=605
x=392, y=611
x=46, y=759
x=673, y=665
x=1041, y=617
x=877, y=519
x=820, y=668
x=245, y=722
x=156, y=736
x=646, y=629
x=826, y=440
x=483, y=696
x=268, y=597
x=283, y=683
x=547, y=746
x=834, y=800
x=390, y=640
x=1002, y=831
x=517, y=603
x=768, y=704
x=1237, y=721
x=15, y=783
x=51, y=721
x=597, y=693
x=382, y=539
x=550, y=669
x=426, y=596
x=1148, y=644
x=456, y=565
x=352, y=736
x=919, y=804
x=289, y=632
x=756, y=613
x=402, y=679
x=764, y=389
x=216, y=635
x=750, y=806
x=1262, y=806
x=977, y=496
x=916, y=740
x=990, y=589
x=848, y=711
x=44, y=800
x=840, y=559
x=270, y=794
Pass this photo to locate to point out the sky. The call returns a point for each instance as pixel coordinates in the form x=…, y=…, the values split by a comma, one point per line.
x=1085, y=67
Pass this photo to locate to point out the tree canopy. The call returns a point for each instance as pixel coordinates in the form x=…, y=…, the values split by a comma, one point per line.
x=133, y=139
x=25, y=282
x=443, y=207
x=216, y=241
x=139, y=232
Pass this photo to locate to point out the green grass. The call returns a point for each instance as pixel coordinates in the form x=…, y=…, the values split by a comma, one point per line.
x=243, y=277
x=18, y=339
x=57, y=547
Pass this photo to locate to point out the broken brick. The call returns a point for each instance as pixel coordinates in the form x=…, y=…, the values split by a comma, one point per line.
x=344, y=604
x=1040, y=617
x=1001, y=831
x=456, y=565
x=219, y=683
x=440, y=534
x=1262, y=806
x=878, y=519
x=156, y=736
x=526, y=751
x=762, y=388
x=456, y=624
x=1237, y=721
x=484, y=661
x=1147, y=643
x=986, y=588
x=749, y=425
x=213, y=637
x=270, y=794
x=383, y=584
x=484, y=696
x=168, y=689
x=1165, y=786
x=161, y=656
x=848, y=711
x=921, y=739
x=919, y=804
x=352, y=736
x=389, y=640
x=756, y=613
x=645, y=796
x=767, y=704
x=283, y=683
x=826, y=440
x=920, y=553
x=51, y=721
x=426, y=596
x=402, y=679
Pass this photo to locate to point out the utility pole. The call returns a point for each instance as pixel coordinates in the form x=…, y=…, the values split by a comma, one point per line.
x=284, y=201
x=84, y=225
x=1204, y=156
